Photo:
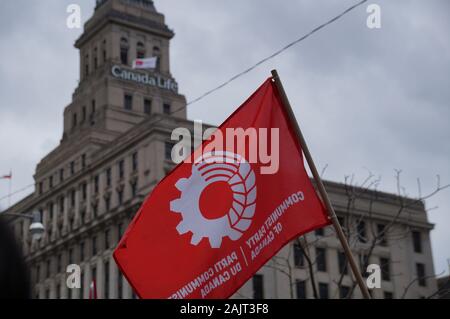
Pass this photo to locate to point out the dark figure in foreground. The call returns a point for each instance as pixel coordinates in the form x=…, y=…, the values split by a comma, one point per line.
x=14, y=275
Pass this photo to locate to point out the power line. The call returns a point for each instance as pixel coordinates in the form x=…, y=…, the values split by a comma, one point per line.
x=273, y=55
x=304, y=37
x=17, y=191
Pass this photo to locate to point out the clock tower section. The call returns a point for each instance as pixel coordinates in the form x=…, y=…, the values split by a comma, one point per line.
x=112, y=97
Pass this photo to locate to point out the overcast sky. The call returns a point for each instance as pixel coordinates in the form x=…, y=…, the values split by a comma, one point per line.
x=366, y=99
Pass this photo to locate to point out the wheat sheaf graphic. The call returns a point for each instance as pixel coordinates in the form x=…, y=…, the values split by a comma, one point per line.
x=236, y=171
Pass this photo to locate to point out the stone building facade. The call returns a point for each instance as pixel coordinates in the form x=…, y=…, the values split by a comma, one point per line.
x=115, y=148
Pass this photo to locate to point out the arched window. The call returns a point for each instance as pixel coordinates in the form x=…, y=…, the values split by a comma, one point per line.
x=140, y=50
x=157, y=53
x=124, y=51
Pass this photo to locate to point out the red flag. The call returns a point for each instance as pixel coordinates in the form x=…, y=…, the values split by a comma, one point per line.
x=6, y=176
x=209, y=225
x=93, y=290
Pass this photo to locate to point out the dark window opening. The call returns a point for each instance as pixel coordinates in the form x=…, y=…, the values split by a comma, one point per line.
x=124, y=51
x=167, y=109
x=385, y=269
x=299, y=258
x=343, y=265
x=128, y=102
x=323, y=291
x=147, y=106
x=134, y=160
x=300, y=287
x=121, y=169
x=258, y=287
x=361, y=227
x=321, y=259
x=417, y=241
x=421, y=274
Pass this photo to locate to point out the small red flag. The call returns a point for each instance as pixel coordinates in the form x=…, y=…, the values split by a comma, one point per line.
x=218, y=217
x=6, y=176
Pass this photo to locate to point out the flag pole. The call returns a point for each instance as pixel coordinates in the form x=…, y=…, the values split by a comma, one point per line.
x=320, y=186
x=10, y=188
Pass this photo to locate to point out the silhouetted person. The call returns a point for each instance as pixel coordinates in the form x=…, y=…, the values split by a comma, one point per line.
x=14, y=275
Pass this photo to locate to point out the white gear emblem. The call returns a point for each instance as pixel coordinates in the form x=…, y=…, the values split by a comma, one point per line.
x=207, y=169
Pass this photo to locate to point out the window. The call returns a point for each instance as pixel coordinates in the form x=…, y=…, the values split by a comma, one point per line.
x=70, y=257
x=50, y=181
x=388, y=295
x=38, y=273
x=321, y=259
x=72, y=167
x=120, y=197
x=299, y=259
x=258, y=287
x=108, y=177
x=96, y=179
x=385, y=269
x=106, y=282
x=140, y=50
x=41, y=187
x=124, y=51
x=94, y=245
x=72, y=198
x=167, y=108
x=417, y=241
x=147, y=106
x=58, y=291
x=119, y=285
x=93, y=108
x=157, y=53
x=83, y=114
x=420, y=269
x=134, y=161
x=50, y=213
x=107, y=203
x=120, y=230
x=82, y=251
x=94, y=210
x=361, y=227
x=61, y=204
x=61, y=175
x=107, y=239
x=94, y=273
x=83, y=161
x=84, y=191
x=319, y=232
x=363, y=263
x=48, y=268
x=134, y=188
x=104, y=50
x=168, y=151
x=381, y=228
x=121, y=169
x=344, y=292
x=86, y=67
x=300, y=287
x=81, y=285
x=58, y=263
x=95, y=59
x=342, y=260
x=323, y=291
x=128, y=102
